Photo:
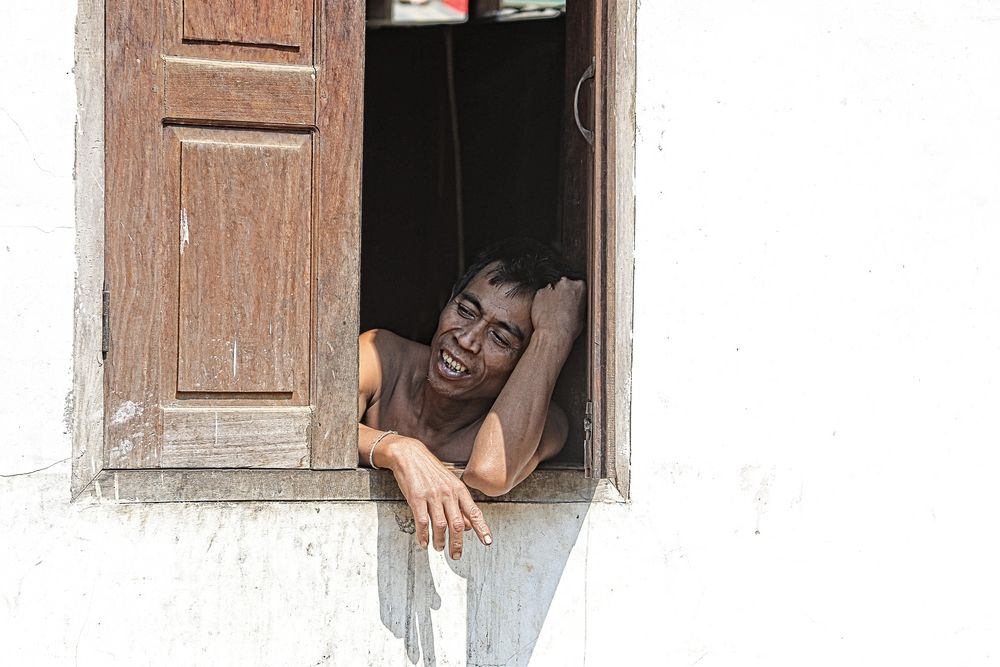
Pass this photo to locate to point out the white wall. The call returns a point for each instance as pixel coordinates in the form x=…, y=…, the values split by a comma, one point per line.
x=817, y=342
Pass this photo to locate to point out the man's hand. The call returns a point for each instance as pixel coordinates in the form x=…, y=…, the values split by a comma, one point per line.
x=560, y=308
x=438, y=499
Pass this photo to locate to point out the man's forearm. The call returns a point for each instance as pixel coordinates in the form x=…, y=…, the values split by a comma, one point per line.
x=513, y=427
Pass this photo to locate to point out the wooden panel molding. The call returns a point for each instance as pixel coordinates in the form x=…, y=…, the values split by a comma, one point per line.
x=244, y=258
x=259, y=22
x=150, y=486
x=235, y=438
x=261, y=31
x=243, y=93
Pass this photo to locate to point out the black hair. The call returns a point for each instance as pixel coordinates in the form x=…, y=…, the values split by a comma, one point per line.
x=524, y=264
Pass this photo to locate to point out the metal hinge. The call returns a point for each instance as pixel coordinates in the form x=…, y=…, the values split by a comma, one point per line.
x=588, y=440
x=105, y=321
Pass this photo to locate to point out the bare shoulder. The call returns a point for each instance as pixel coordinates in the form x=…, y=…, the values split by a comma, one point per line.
x=384, y=356
x=387, y=347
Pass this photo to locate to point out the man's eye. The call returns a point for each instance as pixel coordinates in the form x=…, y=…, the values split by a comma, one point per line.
x=500, y=339
x=465, y=312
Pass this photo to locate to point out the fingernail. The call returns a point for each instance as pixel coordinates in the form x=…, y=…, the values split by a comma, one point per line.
x=488, y=539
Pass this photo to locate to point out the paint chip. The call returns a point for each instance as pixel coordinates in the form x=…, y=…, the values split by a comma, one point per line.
x=125, y=412
x=185, y=232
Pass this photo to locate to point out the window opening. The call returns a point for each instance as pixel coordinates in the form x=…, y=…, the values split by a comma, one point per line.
x=464, y=144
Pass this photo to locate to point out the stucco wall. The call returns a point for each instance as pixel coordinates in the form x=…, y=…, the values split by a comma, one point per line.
x=817, y=338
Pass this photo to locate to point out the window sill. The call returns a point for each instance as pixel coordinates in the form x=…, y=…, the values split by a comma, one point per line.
x=233, y=485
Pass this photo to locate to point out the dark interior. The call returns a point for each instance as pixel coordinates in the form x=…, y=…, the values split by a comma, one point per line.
x=506, y=109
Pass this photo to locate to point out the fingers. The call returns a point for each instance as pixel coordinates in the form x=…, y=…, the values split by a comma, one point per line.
x=446, y=521
x=439, y=524
x=456, y=526
x=422, y=522
x=475, y=517
x=566, y=280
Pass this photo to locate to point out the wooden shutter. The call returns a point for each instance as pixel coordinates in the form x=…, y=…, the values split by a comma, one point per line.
x=611, y=240
x=233, y=139
x=595, y=186
x=596, y=454
x=581, y=390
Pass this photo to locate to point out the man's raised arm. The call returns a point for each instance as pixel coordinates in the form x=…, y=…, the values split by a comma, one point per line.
x=523, y=428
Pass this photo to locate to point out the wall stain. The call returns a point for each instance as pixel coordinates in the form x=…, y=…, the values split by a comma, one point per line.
x=405, y=522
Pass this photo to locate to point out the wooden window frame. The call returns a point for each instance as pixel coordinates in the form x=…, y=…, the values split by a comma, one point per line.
x=612, y=238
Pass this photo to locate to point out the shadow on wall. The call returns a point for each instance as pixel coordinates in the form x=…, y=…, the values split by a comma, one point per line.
x=509, y=586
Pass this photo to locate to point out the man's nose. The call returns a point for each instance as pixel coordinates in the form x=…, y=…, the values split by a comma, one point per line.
x=469, y=337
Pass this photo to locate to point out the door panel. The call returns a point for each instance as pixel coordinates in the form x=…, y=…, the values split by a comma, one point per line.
x=243, y=322
x=266, y=31
x=244, y=93
x=257, y=22
x=235, y=437
x=232, y=246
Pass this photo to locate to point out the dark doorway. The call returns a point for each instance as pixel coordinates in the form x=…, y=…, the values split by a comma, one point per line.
x=463, y=146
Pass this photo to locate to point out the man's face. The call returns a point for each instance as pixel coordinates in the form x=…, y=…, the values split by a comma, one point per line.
x=481, y=334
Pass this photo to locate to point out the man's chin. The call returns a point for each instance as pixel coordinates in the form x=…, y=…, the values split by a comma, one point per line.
x=444, y=386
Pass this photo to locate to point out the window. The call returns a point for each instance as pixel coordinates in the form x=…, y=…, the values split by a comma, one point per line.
x=247, y=390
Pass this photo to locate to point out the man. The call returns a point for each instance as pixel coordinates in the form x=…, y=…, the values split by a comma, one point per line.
x=479, y=394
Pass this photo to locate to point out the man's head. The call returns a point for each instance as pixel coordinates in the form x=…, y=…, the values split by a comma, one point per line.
x=523, y=265
x=486, y=326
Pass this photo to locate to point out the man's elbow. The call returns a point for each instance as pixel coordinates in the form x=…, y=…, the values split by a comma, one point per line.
x=492, y=483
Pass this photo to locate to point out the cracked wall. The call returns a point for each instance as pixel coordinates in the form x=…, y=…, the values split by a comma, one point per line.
x=36, y=237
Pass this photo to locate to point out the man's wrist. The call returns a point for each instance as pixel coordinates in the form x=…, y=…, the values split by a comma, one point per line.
x=554, y=343
x=390, y=451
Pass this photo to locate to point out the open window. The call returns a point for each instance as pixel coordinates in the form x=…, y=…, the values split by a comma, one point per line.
x=241, y=257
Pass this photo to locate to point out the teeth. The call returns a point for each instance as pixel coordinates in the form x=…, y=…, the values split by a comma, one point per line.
x=452, y=363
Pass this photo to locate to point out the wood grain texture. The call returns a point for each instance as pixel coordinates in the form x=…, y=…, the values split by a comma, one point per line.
x=621, y=137
x=337, y=235
x=260, y=200
x=597, y=463
x=258, y=22
x=235, y=437
x=611, y=240
x=243, y=313
x=199, y=485
x=242, y=37
x=204, y=90
x=88, y=368
x=578, y=156
x=575, y=216
x=137, y=244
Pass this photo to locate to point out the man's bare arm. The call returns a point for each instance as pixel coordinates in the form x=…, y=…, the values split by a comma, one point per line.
x=522, y=429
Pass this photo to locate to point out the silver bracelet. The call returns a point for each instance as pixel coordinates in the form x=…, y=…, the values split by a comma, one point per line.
x=371, y=452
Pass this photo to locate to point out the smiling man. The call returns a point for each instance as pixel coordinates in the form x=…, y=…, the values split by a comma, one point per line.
x=478, y=395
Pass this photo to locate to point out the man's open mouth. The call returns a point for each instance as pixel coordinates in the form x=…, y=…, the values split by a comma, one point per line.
x=452, y=364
